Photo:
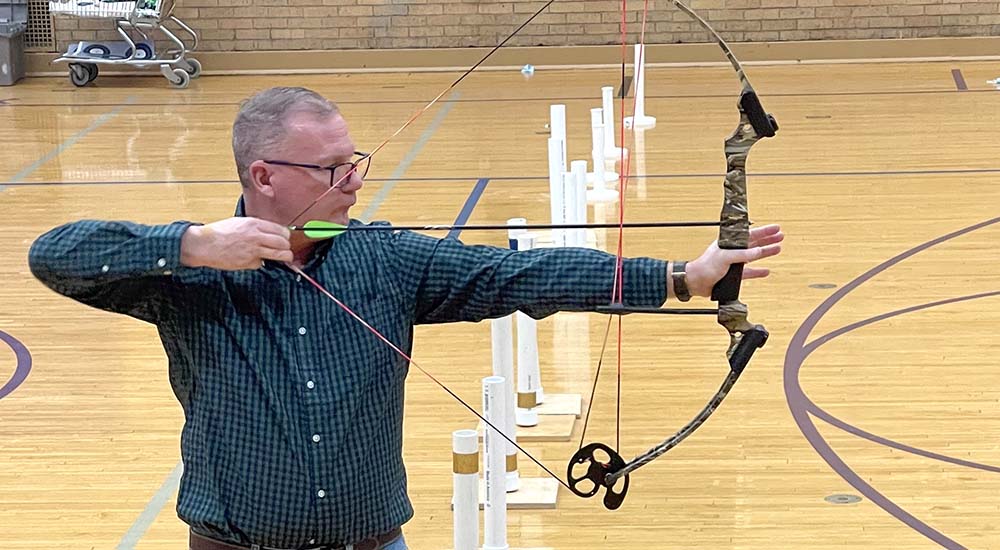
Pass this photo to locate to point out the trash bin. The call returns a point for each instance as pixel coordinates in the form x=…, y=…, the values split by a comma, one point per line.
x=13, y=23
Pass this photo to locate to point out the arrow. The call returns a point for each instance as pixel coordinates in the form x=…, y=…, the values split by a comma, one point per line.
x=320, y=229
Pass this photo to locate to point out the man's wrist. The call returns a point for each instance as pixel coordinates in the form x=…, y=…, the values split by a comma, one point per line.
x=670, y=283
x=191, y=244
x=677, y=280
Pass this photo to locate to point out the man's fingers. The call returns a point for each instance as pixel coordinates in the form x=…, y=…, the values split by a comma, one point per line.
x=769, y=229
x=768, y=239
x=276, y=242
x=274, y=254
x=757, y=253
x=755, y=272
x=768, y=234
x=271, y=228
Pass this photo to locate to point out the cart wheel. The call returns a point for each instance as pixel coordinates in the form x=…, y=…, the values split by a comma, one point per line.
x=181, y=78
x=194, y=67
x=143, y=51
x=78, y=75
x=91, y=71
x=97, y=50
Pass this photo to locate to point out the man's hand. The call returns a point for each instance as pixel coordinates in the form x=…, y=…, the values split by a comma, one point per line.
x=235, y=243
x=703, y=273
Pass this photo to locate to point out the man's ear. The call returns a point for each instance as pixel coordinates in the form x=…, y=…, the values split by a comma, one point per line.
x=260, y=178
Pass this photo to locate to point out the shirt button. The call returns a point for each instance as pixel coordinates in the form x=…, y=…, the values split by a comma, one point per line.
x=310, y=384
x=302, y=330
x=321, y=493
x=316, y=438
x=161, y=262
x=298, y=278
x=105, y=268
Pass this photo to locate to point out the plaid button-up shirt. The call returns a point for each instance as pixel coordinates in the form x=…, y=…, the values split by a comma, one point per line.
x=293, y=410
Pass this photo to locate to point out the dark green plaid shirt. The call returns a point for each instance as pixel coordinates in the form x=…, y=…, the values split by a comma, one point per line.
x=293, y=410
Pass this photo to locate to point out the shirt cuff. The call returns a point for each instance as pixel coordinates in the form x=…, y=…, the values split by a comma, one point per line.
x=164, y=244
x=645, y=282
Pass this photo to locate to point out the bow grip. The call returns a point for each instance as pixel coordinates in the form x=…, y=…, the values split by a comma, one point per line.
x=728, y=288
x=752, y=339
x=762, y=121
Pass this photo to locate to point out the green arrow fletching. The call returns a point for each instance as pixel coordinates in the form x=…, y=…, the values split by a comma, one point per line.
x=321, y=229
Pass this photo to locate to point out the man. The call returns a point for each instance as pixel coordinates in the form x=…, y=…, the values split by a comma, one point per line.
x=293, y=410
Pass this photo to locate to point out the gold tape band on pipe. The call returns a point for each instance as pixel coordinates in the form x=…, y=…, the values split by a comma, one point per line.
x=465, y=463
x=512, y=462
x=527, y=400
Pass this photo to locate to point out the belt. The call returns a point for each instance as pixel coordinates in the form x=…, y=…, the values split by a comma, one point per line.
x=201, y=542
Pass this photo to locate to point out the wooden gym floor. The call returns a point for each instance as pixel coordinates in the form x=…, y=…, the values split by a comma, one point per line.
x=898, y=405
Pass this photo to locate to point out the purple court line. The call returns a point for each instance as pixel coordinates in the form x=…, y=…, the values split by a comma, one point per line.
x=506, y=99
x=959, y=80
x=468, y=207
x=22, y=368
x=463, y=179
x=801, y=407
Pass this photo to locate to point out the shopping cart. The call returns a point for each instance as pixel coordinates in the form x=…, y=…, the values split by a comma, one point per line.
x=135, y=21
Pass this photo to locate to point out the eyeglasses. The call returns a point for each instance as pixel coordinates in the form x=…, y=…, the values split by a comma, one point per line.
x=338, y=172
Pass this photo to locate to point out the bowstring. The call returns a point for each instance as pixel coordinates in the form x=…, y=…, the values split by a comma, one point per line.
x=617, y=287
x=423, y=110
x=410, y=360
x=368, y=326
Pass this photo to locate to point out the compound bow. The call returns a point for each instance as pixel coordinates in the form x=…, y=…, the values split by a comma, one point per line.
x=744, y=337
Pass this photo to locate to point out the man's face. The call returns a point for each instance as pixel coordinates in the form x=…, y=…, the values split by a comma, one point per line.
x=323, y=141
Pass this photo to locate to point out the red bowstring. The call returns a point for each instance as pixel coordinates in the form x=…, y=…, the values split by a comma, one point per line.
x=423, y=110
x=617, y=292
x=361, y=320
x=410, y=360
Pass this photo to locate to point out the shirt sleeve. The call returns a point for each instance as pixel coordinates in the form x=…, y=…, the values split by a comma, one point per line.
x=115, y=266
x=451, y=281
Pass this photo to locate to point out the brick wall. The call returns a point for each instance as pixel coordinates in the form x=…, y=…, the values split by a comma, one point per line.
x=240, y=25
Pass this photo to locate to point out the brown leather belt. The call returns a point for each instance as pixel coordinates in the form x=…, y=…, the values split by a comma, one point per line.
x=200, y=542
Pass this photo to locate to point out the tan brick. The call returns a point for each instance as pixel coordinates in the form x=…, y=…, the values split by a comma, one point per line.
x=310, y=24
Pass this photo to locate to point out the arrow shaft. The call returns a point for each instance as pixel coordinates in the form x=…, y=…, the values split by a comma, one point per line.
x=497, y=227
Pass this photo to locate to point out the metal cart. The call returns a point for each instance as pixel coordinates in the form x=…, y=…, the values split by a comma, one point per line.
x=136, y=22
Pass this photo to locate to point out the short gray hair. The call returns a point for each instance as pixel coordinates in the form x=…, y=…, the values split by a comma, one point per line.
x=259, y=128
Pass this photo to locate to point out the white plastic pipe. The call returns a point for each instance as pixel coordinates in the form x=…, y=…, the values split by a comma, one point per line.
x=495, y=531
x=569, y=203
x=516, y=229
x=578, y=203
x=600, y=175
x=557, y=123
x=641, y=119
x=502, y=331
x=599, y=178
x=465, y=489
x=557, y=188
x=608, y=111
x=529, y=379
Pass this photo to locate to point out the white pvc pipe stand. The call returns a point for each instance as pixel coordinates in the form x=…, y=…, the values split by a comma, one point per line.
x=577, y=203
x=608, y=110
x=557, y=189
x=495, y=531
x=599, y=178
x=465, y=489
x=600, y=175
x=502, y=332
x=641, y=119
x=529, y=377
